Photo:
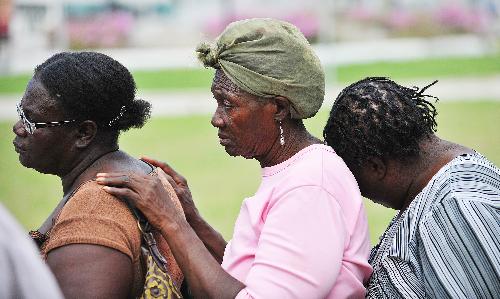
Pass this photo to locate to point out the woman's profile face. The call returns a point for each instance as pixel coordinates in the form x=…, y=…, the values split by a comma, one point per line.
x=45, y=149
x=246, y=124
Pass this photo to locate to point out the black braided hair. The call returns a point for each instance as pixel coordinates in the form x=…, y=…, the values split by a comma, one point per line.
x=93, y=86
x=376, y=117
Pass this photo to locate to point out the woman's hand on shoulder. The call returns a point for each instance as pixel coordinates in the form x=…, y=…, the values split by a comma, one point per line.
x=180, y=185
x=146, y=193
x=213, y=240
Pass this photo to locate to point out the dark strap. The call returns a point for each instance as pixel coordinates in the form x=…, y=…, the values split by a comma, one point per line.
x=147, y=236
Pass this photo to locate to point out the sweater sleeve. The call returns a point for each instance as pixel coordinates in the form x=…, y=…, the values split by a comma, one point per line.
x=300, y=249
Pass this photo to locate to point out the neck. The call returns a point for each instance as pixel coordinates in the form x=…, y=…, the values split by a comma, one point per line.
x=79, y=172
x=296, y=139
x=434, y=154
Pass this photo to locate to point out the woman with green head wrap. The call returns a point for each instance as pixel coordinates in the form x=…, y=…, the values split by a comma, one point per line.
x=304, y=233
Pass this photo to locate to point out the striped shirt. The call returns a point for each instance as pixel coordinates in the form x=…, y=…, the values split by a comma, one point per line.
x=446, y=244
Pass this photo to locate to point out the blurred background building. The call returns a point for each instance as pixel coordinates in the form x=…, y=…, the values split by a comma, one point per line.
x=162, y=33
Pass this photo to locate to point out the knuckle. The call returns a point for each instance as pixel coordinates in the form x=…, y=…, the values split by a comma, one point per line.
x=127, y=192
x=150, y=182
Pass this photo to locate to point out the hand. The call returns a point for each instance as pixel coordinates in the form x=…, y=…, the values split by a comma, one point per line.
x=146, y=193
x=180, y=186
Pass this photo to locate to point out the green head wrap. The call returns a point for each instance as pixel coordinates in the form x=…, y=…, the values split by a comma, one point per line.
x=268, y=57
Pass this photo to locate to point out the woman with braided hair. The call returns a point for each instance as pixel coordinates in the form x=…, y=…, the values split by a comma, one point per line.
x=443, y=242
x=304, y=233
x=71, y=115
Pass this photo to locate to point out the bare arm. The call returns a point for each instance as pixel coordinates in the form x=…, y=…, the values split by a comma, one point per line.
x=91, y=271
x=205, y=276
x=211, y=238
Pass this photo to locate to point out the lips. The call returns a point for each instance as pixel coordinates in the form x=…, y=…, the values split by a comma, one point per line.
x=223, y=139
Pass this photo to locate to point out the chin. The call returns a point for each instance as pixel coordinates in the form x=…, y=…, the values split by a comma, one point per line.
x=230, y=151
x=385, y=204
x=26, y=163
x=248, y=156
x=234, y=153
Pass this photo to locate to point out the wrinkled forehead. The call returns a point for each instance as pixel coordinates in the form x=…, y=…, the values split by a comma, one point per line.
x=221, y=81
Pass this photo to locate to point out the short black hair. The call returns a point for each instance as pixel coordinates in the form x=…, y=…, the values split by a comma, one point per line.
x=93, y=86
x=376, y=117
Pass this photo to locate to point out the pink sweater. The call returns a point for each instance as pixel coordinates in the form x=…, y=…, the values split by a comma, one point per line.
x=304, y=234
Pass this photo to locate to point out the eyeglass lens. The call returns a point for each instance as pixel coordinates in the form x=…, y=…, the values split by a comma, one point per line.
x=26, y=123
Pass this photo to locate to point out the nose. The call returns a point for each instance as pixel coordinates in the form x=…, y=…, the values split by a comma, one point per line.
x=217, y=120
x=18, y=129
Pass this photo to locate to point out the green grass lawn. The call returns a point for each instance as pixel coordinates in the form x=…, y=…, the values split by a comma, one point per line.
x=182, y=79
x=218, y=182
x=426, y=68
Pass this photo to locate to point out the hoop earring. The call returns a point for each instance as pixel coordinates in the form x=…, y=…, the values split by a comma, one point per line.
x=282, y=138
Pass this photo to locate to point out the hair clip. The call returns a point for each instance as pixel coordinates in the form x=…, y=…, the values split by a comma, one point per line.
x=112, y=122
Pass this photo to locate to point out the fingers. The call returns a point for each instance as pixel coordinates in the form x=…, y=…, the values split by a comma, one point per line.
x=166, y=168
x=123, y=180
x=125, y=186
x=171, y=181
x=123, y=194
x=156, y=163
x=111, y=174
x=113, y=179
x=165, y=177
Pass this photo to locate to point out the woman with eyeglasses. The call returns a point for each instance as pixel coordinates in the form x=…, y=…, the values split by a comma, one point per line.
x=71, y=115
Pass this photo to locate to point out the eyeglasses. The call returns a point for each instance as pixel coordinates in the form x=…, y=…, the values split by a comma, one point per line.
x=30, y=127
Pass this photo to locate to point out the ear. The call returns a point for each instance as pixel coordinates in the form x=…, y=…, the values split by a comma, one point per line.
x=85, y=133
x=282, y=108
x=377, y=167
